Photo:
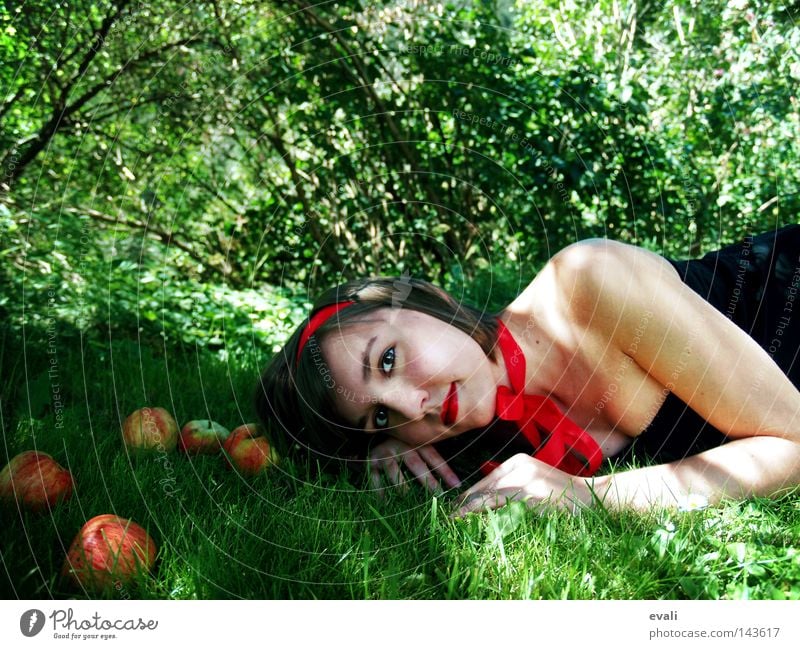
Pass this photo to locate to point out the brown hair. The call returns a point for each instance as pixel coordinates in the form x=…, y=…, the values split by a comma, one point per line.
x=296, y=401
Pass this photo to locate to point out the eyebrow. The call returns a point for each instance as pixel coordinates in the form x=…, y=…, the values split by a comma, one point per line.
x=367, y=369
x=365, y=360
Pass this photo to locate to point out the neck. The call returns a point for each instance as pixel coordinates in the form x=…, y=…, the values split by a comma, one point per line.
x=544, y=362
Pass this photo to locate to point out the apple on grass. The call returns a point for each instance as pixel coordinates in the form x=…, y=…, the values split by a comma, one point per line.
x=249, y=451
x=149, y=429
x=202, y=436
x=36, y=481
x=108, y=551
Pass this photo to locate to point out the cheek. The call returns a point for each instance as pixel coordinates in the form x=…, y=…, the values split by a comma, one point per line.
x=430, y=360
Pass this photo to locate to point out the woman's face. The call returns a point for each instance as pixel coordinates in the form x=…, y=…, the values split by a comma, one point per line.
x=393, y=371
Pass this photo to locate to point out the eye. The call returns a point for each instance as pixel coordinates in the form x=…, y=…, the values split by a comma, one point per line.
x=388, y=359
x=381, y=417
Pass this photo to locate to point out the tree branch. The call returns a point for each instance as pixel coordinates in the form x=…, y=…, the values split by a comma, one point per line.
x=98, y=40
x=125, y=67
x=60, y=112
x=8, y=104
x=165, y=237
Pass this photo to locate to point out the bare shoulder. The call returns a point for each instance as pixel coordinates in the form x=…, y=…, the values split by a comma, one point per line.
x=592, y=270
x=577, y=275
x=599, y=256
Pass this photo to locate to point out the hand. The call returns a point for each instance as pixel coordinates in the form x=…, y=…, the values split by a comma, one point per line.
x=422, y=461
x=525, y=478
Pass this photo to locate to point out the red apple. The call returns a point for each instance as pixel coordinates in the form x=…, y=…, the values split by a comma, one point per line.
x=150, y=428
x=35, y=481
x=248, y=451
x=202, y=436
x=108, y=551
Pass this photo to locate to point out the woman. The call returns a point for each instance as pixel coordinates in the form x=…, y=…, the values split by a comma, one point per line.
x=611, y=350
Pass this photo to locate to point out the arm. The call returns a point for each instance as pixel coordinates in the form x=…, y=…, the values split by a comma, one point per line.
x=695, y=351
x=753, y=466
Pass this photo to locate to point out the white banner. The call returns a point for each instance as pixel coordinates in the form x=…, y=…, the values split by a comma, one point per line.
x=384, y=625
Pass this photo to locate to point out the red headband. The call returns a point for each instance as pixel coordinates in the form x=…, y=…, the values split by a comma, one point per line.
x=317, y=321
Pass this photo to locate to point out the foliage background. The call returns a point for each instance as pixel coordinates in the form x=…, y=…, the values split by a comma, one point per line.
x=163, y=165
x=179, y=181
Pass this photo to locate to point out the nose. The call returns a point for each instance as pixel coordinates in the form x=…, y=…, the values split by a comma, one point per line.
x=410, y=402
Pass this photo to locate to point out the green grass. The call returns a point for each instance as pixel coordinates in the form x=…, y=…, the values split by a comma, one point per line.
x=280, y=536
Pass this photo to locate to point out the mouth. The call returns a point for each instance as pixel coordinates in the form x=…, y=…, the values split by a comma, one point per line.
x=450, y=406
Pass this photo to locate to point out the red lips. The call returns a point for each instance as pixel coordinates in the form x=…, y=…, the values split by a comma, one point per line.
x=450, y=406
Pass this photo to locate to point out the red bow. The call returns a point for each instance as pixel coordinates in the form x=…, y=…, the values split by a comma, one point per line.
x=558, y=440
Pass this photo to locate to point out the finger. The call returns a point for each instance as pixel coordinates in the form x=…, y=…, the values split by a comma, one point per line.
x=486, y=500
x=491, y=481
x=384, y=451
x=485, y=485
x=421, y=470
x=437, y=462
x=478, y=502
x=377, y=483
x=392, y=471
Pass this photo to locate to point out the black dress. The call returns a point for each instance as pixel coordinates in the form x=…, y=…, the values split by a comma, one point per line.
x=756, y=284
